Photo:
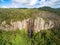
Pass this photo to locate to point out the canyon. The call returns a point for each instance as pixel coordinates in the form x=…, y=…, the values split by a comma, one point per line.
x=35, y=24
x=27, y=19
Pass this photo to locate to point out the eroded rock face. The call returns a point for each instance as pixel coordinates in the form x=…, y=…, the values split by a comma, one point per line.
x=14, y=25
x=39, y=24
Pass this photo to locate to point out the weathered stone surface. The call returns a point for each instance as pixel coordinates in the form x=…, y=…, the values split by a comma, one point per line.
x=39, y=24
x=14, y=25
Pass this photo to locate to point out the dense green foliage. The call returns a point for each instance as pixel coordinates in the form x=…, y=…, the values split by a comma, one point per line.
x=14, y=38
x=47, y=37
x=44, y=37
x=16, y=14
x=54, y=10
x=20, y=37
x=13, y=14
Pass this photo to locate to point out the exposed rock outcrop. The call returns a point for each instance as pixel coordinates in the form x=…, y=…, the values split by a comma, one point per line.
x=39, y=24
x=14, y=25
x=37, y=21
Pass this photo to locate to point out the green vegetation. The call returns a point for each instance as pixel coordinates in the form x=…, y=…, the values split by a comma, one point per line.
x=53, y=10
x=20, y=37
x=21, y=14
x=15, y=14
x=14, y=38
x=47, y=37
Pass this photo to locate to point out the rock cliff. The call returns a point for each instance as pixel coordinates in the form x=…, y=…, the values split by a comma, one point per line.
x=39, y=24
x=33, y=20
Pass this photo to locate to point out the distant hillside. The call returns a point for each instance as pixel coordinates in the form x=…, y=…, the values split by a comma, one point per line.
x=21, y=14
x=53, y=10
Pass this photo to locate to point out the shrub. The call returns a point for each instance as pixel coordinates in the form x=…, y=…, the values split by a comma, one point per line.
x=47, y=37
x=18, y=37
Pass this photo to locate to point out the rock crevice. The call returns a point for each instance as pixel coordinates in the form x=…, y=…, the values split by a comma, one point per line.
x=27, y=24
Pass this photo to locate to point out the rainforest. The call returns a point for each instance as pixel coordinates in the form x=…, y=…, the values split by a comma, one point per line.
x=30, y=26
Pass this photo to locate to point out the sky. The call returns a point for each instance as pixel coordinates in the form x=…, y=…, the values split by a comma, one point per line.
x=29, y=3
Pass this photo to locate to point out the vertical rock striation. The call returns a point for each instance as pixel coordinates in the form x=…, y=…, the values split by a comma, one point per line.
x=28, y=24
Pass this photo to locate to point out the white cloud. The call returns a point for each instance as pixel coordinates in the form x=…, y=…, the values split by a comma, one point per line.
x=25, y=2
x=4, y=7
x=20, y=1
x=31, y=3
x=48, y=3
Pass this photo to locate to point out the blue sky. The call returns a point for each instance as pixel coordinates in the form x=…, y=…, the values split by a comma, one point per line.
x=29, y=3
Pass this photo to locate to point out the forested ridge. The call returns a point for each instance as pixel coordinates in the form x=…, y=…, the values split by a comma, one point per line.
x=21, y=14
x=21, y=37
x=53, y=10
